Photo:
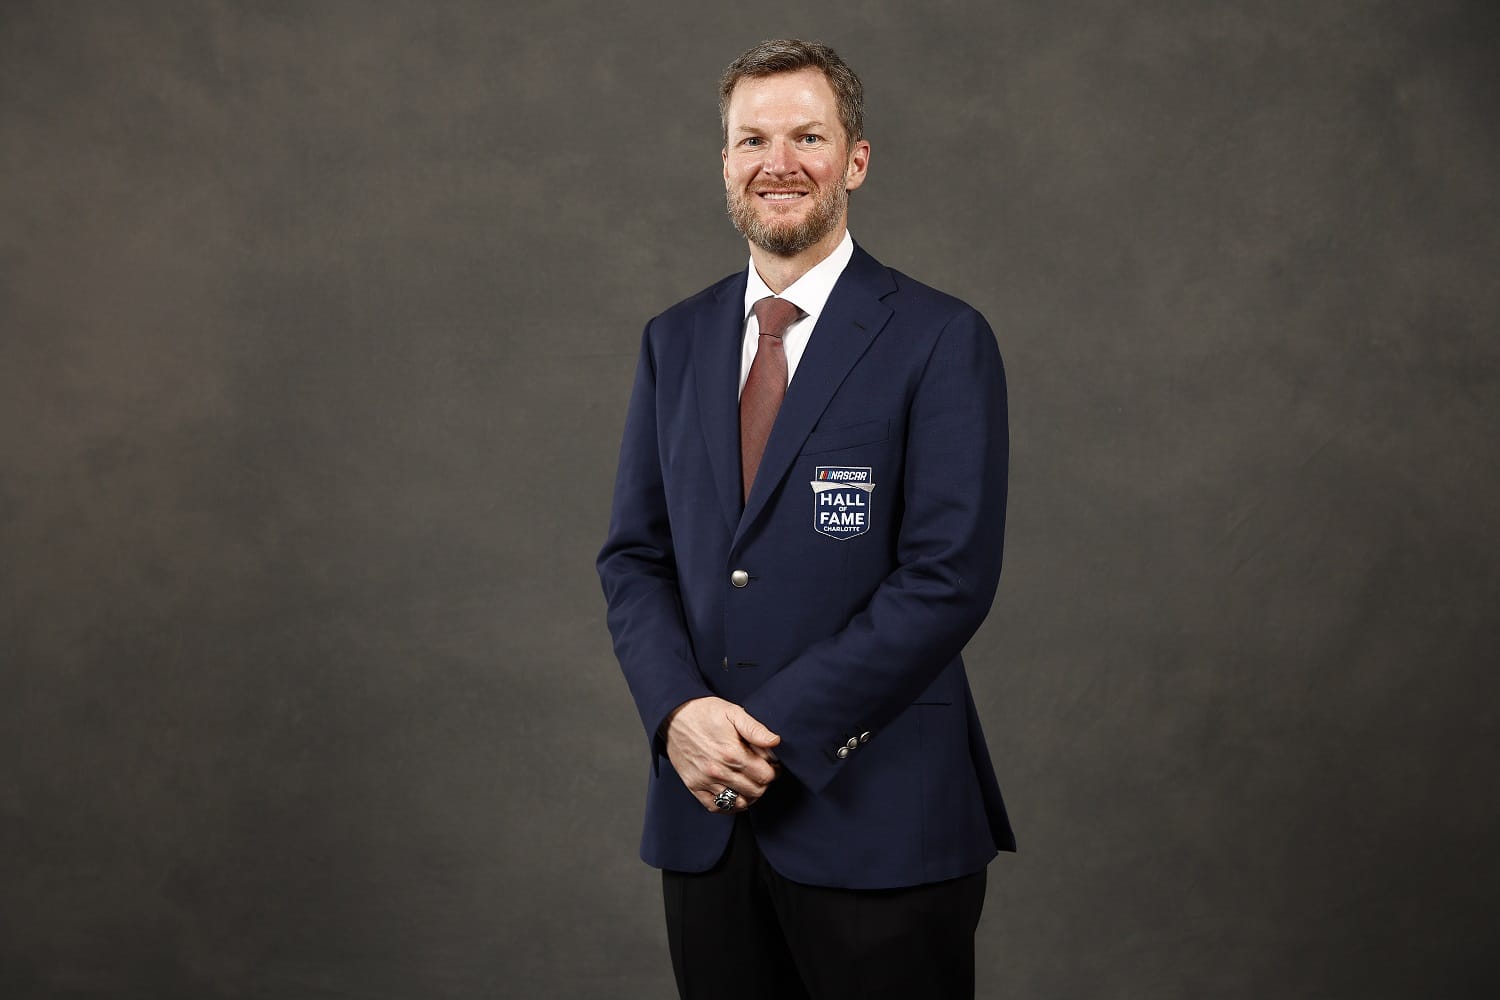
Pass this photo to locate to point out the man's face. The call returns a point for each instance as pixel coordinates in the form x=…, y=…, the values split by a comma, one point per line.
x=788, y=167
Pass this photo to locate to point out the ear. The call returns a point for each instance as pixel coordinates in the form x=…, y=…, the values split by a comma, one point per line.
x=859, y=165
x=724, y=155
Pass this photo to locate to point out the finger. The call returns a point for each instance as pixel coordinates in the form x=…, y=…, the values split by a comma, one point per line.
x=769, y=756
x=754, y=771
x=710, y=799
x=752, y=730
x=747, y=775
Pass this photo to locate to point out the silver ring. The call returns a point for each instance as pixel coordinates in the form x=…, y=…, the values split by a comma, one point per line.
x=726, y=799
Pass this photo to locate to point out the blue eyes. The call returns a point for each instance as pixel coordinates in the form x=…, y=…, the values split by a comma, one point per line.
x=810, y=139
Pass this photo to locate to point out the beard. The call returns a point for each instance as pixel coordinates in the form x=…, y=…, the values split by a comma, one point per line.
x=786, y=239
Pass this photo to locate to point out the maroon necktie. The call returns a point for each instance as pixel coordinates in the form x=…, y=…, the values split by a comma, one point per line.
x=765, y=386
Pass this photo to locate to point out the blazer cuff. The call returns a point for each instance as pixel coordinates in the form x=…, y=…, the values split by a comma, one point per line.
x=812, y=759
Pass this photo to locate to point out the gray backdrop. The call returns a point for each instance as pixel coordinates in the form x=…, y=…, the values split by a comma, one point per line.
x=317, y=322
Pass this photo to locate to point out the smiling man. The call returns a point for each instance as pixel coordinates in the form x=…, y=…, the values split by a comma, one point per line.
x=788, y=174
x=807, y=528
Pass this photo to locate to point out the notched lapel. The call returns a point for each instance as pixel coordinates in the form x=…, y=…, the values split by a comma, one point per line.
x=852, y=319
x=716, y=370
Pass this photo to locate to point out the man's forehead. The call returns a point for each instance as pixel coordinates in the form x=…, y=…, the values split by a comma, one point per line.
x=805, y=93
x=808, y=79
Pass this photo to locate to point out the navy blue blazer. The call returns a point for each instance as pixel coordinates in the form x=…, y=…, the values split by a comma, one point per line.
x=870, y=550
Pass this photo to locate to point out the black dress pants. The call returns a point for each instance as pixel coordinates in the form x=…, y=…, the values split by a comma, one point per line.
x=740, y=930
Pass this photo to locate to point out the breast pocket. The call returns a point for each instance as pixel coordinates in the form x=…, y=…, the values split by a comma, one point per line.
x=849, y=436
x=844, y=465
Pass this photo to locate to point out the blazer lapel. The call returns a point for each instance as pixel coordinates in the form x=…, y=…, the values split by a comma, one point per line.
x=852, y=318
x=716, y=368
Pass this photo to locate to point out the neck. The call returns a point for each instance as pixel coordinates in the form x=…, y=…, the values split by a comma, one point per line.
x=780, y=273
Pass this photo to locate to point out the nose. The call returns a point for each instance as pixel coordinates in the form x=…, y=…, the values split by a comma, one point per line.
x=779, y=158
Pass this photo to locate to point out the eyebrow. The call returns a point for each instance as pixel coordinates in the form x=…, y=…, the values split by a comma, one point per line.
x=804, y=127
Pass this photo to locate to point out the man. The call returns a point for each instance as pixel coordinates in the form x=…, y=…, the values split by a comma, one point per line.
x=807, y=529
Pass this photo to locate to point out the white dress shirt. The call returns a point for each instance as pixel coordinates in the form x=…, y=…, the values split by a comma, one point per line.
x=808, y=293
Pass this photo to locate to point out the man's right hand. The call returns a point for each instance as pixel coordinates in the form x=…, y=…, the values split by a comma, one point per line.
x=715, y=744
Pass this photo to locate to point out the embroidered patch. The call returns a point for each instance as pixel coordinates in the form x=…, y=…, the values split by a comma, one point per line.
x=841, y=500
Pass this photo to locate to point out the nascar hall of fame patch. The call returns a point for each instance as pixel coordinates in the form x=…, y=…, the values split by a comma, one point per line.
x=841, y=500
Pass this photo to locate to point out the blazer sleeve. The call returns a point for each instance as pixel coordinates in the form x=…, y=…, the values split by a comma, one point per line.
x=638, y=570
x=949, y=548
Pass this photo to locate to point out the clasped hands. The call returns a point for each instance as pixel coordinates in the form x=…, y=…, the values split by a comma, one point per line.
x=715, y=744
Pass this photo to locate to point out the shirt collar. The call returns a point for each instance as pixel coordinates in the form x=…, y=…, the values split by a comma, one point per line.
x=809, y=292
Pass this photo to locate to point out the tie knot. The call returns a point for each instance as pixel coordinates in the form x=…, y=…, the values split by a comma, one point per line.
x=774, y=315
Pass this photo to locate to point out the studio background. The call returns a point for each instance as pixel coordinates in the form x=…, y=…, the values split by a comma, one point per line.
x=317, y=323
